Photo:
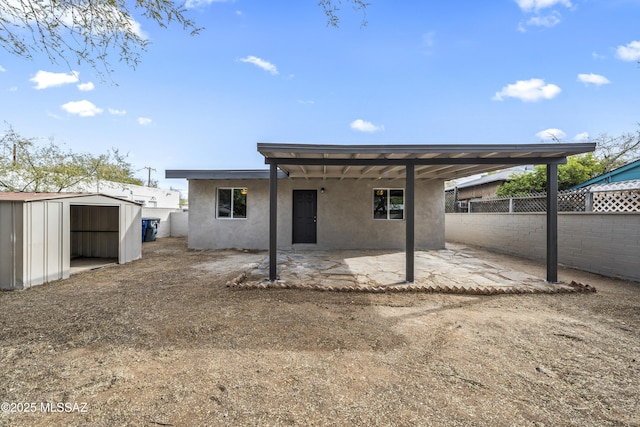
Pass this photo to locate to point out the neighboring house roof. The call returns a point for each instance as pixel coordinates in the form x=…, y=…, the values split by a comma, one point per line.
x=32, y=197
x=445, y=162
x=221, y=174
x=504, y=175
x=630, y=171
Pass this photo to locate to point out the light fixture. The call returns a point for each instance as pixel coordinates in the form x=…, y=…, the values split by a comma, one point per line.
x=244, y=191
x=380, y=192
x=322, y=190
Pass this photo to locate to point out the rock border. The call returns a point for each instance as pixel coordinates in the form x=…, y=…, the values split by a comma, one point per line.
x=239, y=282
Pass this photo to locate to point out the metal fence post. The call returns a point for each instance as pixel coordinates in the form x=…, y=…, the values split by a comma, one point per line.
x=588, y=201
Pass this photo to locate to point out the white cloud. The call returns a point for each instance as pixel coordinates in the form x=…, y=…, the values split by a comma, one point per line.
x=189, y=4
x=551, y=134
x=429, y=39
x=82, y=108
x=544, y=21
x=45, y=79
x=630, y=52
x=2, y=70
x=86, y=87
x=115, y=112
x=306, y=102
x=582, y=136
x=536, y=5
x=265, y=65
x=144, y=121
x=528, y=91
x=541, y=19
x=364, y=126
x=594, y=79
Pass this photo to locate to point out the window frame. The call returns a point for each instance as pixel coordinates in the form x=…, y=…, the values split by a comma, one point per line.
x=232, y=201
x=387, y=195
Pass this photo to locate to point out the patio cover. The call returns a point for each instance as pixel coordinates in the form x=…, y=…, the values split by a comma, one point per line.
x=411, y=162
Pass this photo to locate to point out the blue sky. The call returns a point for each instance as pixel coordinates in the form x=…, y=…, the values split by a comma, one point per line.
x=499, y=71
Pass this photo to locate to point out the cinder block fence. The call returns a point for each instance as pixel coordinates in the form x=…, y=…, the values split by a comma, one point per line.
x=607, y=244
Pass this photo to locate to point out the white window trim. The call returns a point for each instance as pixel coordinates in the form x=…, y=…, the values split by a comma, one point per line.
x=229, y=218
x=388, y=190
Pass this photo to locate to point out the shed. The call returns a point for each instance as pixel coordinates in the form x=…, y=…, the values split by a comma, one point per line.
x=42, y=235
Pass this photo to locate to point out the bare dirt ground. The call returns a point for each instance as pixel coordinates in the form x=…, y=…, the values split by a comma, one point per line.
x=162, y=341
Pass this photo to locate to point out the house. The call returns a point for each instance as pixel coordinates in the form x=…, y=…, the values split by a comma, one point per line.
x=481, y=187
x=42, y=235
x=350, y=196
x=628, y=172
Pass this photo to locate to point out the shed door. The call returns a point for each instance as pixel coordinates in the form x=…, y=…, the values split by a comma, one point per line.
x=304, y=216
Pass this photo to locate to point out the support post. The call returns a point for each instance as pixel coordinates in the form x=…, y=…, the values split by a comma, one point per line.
x=552, y=223
x=273, y=221
x=409, y=211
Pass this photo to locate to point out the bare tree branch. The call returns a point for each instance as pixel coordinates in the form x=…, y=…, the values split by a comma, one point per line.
x=84, y=31
x=332, y=8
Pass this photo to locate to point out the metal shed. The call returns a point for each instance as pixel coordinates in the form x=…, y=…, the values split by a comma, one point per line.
x=43, y=234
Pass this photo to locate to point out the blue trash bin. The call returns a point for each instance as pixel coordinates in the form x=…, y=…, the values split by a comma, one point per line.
x=151, y=229
x=145, y=223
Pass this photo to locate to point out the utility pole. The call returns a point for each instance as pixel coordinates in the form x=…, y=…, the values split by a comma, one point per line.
x=149, y=169
x=15, y=152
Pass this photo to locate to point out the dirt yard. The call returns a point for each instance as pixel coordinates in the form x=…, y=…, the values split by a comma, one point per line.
x=162, y=342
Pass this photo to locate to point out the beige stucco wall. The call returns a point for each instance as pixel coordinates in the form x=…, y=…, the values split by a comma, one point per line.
x=345, y=215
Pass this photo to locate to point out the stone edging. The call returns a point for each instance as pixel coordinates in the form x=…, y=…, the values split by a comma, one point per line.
x=574, y=287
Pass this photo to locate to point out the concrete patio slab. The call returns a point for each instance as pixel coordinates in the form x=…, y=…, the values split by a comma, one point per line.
x=456, y=269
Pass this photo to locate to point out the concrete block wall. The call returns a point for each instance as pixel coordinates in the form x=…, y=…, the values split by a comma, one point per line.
x=164, y=228
x=179, y=222
x=607, y=244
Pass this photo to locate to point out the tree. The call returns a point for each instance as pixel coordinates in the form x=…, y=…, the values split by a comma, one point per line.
x=611, y=153
x=92, y=32
x=27, y=166
x=83, y=31
x=331, y=9
x=577, y=169
x=618, y=151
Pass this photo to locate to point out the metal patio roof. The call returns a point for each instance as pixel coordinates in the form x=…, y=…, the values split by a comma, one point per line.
x=221, y=174
x=446, y=161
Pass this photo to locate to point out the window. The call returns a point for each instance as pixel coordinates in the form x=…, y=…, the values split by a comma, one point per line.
x=388, y=203
x=232, y=203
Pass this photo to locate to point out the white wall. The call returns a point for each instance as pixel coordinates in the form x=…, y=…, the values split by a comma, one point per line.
x=608, y=244
x=164, y=228
x=150, y=197
x=179, y=223
x=345, y=215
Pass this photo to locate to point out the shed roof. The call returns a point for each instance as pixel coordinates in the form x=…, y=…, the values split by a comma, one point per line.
x=32, y=197
x=448, y=161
